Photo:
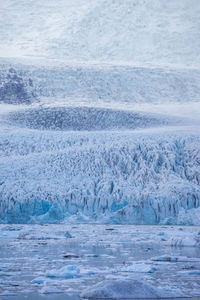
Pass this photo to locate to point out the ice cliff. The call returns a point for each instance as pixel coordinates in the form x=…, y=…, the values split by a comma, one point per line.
x=109, y=177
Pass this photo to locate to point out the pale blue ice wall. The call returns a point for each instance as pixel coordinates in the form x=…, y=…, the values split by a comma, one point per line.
x=109, y=177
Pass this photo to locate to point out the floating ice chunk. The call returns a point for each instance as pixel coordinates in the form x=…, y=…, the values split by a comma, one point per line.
x=8, y=293
x=70, y=256
x=68, y=235
x=129, y=289
x=23, y=235
x=38, y=280
x=161, y=233
x=139, y=268
x=65, y=272
x=2, y=274
x=190, y=272
x=11, y=228
x=168, y=258
x=50, y=290
x=193, y=241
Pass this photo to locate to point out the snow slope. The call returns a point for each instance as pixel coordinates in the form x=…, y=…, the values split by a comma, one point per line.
x=91, y=84
x=138, y=31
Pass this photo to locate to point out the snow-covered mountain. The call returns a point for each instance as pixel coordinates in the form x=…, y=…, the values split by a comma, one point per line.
x=130, y=31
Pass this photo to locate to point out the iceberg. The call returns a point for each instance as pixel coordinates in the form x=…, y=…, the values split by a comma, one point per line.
x=129, y=289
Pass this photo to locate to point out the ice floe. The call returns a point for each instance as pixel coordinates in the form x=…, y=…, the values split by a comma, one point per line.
x=168, y=258
x=66, y=272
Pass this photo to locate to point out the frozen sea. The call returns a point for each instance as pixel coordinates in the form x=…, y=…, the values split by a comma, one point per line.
x=61, y=261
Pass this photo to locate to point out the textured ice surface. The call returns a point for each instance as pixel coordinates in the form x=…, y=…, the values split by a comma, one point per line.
x=128, y=289
x=129, y=177
x=30, y=82
x=87, y=119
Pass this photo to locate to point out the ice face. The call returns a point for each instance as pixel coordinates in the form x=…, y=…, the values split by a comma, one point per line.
x=109, y=177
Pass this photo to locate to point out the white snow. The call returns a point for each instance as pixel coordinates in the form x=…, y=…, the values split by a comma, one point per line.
x=126, y=31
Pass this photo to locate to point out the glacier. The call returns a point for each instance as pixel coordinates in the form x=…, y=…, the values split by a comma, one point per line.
x=103, y=144
x=99, y=149
x=105, y=129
